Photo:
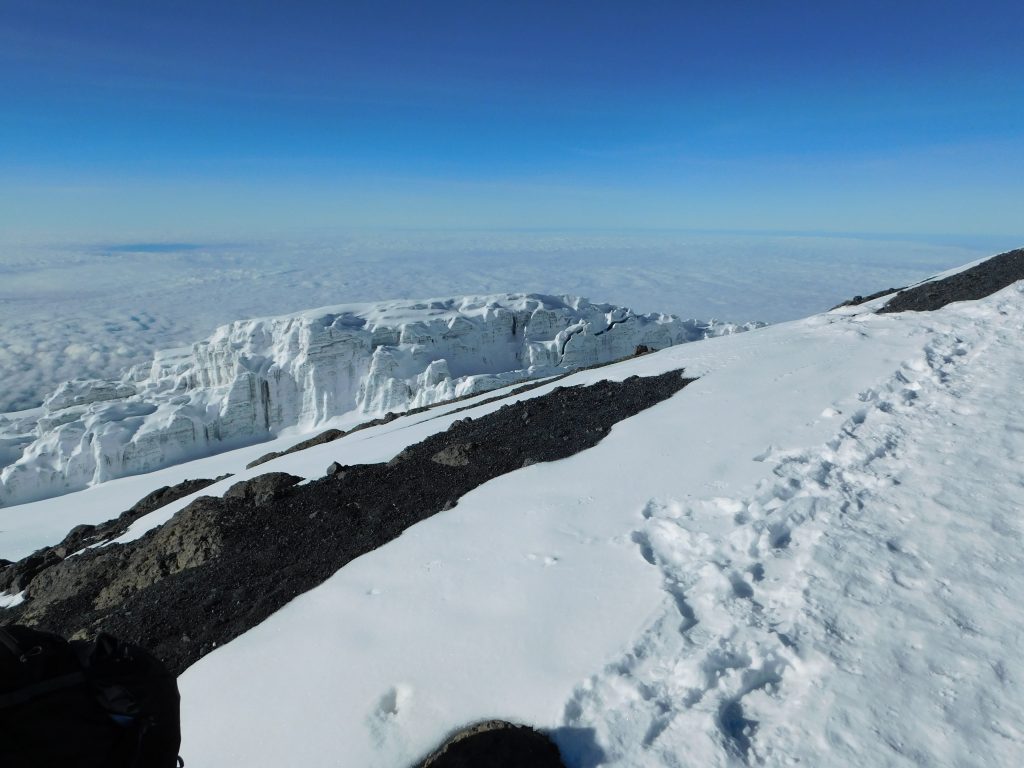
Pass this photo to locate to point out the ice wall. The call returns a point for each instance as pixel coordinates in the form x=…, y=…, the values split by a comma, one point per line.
x=252, y=378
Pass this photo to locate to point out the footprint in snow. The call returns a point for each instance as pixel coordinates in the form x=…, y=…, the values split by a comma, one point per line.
x=545, y=560
x=385, y=718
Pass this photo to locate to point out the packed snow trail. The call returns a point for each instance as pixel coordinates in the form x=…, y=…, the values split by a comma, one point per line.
x=862, y=606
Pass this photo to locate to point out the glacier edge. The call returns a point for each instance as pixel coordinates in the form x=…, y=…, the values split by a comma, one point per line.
x=253, y=378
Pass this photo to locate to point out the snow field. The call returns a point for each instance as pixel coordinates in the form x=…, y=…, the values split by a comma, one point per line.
x=860, y=606
x=512, y=604
x=811, y=555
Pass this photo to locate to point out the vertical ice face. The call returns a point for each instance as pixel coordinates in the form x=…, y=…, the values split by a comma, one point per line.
x=252, y=378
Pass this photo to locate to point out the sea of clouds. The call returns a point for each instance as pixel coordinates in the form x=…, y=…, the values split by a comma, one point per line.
x=90, y=310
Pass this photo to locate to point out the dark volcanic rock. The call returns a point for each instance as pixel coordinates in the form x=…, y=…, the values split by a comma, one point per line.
x=975, y=283
x=163, y=496
x=17, y=576
x=496, y=744
x=327, y=436
x=106, y=576
x=857, y=300
x=264, y=459
x=456, y=455
x=221, y=566
x=263, y=488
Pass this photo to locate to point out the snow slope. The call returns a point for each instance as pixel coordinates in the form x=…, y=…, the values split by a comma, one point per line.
x=252, y=379
x=811, y=555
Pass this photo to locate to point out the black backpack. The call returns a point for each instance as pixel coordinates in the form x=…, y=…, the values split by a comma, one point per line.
x=104, y=704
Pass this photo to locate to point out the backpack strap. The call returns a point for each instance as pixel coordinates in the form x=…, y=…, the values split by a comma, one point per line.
x=29, y=692
x=12, y=645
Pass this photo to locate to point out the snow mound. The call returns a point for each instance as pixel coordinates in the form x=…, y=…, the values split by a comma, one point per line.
x=253, y=378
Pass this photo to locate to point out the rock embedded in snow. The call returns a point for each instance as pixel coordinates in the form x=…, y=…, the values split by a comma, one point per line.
x=262, y=488
x=253, y=378
x=496, y=744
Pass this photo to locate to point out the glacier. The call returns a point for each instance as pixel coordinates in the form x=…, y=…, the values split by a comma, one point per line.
x=252, y=379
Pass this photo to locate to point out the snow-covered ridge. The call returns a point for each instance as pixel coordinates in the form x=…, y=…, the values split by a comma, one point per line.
x=253, y=378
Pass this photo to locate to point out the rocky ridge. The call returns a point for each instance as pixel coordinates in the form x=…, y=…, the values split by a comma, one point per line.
x=222, y=565
x=15, y=577
x=977, y=282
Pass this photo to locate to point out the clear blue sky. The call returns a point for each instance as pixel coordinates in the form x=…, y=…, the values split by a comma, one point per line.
x=221, y=119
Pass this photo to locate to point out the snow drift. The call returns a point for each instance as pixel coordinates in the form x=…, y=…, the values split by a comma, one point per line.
x=253, y=378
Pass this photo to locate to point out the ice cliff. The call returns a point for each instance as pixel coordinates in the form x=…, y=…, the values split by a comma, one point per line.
x=253, y=378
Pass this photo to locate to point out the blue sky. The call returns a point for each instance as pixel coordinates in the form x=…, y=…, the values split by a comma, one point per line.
x=121, y=120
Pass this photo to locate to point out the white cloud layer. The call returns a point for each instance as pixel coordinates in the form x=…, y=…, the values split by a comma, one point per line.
x=91, y=311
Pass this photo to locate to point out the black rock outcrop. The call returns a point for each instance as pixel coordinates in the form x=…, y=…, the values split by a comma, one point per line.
x=14, y=577
x=221, y=566
x=977, y=282
x=857, y=300
x=326, y=436
x=262, y=489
